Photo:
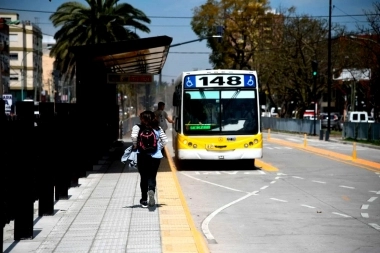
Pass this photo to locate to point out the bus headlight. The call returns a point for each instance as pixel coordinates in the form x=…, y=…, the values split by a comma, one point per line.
x=195, y=146
x=250, y=143
x=185, y=142
x=255, y=141
x=189, y=144
x=245, y=145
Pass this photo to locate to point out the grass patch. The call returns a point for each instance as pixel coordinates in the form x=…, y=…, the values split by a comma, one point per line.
x=372, y=142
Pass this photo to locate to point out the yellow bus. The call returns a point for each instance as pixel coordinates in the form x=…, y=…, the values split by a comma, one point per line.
x=217, y=116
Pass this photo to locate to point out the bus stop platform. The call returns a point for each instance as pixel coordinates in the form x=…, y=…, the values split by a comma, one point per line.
x=103, y=214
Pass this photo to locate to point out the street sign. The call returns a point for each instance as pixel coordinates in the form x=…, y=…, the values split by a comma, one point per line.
x=129, y=78
x=8, y=103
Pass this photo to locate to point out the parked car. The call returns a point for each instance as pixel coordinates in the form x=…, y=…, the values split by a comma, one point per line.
x=335, y=123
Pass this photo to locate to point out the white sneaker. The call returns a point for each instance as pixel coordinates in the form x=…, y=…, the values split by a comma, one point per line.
x=151, y=200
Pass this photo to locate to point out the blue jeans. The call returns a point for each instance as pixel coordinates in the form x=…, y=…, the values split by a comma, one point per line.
x=147, y=167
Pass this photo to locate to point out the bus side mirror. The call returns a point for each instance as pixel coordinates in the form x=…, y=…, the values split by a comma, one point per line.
x=176, y=98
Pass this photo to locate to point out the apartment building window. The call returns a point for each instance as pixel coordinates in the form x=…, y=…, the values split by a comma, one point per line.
x=13, y=37
x=13, y=56
x=13, y=77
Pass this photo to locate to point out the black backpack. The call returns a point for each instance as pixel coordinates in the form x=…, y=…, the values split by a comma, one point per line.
x=146, y=140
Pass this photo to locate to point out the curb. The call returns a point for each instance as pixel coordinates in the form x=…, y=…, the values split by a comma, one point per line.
x=198, y=238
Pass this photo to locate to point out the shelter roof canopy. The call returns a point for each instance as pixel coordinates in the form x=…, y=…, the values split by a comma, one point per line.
x=141, y=56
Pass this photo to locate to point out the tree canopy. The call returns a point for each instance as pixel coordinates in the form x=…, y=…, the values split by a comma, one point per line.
x=101, y=21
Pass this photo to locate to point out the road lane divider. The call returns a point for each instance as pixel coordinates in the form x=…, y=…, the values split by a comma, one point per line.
x=369, y=165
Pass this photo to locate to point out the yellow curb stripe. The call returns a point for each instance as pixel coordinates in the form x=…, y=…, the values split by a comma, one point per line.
x=265, y=166
x=365, y=164
x=197, y=242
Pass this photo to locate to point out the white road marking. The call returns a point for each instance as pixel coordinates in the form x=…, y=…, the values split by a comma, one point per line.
x=273, y=182
x=364, y=207
x=297, y=177
x=210, y=172
x=207, y=182
x=264, y=187
x=277, y=178
x=278, y=148
x=341, y=214
x=372, y=199
x=308, y=206
x=295, y=140
x=255, y=172
x=349, y=187
x=320, y=182
x=230, y=173
x=374, y=225
x=281, y=174
x=206, y=221
x=365, y=215
x=377, y=192
x=279, y=200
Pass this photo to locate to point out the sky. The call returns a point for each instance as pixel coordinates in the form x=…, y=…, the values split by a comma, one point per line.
x=172, y=18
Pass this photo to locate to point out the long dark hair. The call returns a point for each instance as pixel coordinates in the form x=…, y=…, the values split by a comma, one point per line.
x=148, y=119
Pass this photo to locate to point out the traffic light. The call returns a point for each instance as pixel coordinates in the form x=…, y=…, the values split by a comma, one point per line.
x=314, y=67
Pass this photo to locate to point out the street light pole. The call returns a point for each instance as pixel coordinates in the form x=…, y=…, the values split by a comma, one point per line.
x=329, y=76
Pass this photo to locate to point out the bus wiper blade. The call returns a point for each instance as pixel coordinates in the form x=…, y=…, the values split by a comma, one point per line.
x=233, y=97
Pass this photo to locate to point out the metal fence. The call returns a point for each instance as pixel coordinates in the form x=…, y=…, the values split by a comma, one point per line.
x=357, y=131
x=291, y=125
x=361, y=131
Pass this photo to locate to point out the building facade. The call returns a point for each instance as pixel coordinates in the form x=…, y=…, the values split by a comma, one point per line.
x=4, y=57
x=25, y=55
x=48, y=87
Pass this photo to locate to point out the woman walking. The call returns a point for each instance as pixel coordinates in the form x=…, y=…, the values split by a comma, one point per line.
x=148, y=162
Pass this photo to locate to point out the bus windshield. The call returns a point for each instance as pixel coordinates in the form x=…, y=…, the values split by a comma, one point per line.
x=232, y=111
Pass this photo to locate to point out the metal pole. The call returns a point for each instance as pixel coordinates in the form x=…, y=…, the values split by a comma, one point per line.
x=329, y=75
x=1, y=83
x=315, y=102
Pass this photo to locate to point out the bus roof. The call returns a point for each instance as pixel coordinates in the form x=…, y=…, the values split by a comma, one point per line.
x=219, y=71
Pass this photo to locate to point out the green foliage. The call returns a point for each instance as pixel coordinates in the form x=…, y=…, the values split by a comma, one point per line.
x=99, y=22
x=242, y=20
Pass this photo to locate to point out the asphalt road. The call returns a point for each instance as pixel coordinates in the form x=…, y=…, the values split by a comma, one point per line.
x=314, y=202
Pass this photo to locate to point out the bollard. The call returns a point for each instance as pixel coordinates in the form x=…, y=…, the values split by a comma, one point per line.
x=327, y=135
x=268, y=134
x=304, y=141
x=23, y=171
x=354, y=151
x=121, y=130
x=321, y=134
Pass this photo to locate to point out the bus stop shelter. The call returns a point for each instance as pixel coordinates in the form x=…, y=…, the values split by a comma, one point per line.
x=96, y=97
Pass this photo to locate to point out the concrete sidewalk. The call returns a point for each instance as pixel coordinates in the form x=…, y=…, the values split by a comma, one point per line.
x=103, y=214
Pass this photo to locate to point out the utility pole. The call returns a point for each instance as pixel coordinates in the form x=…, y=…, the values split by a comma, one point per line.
x=329, y=76
x=314, y=66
